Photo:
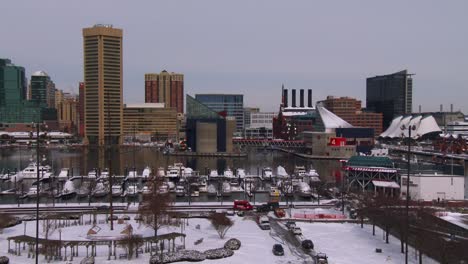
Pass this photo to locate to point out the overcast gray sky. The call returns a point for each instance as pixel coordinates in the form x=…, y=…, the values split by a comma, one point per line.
x=252, y=47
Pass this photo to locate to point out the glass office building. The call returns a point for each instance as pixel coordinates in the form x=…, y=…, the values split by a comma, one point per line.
x=230, y=105
x=391, y=95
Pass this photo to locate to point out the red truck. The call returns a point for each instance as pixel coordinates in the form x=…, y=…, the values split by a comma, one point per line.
x=242, y=205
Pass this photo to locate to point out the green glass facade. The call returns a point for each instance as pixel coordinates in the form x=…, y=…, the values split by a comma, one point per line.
x=14, y=108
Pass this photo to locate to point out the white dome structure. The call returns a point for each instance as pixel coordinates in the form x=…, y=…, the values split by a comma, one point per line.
x=330, y=120
x=423, y=126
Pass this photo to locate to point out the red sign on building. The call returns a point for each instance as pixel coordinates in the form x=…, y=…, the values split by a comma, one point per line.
x=337, y=142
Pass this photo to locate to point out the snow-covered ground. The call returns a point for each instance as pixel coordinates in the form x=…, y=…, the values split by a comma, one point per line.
x=343, y=243
x=349, y=243
x=457, y=219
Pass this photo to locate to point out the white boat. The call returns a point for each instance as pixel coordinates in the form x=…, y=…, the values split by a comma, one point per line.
x=104, y=174
x=187, y=172
x=100, y=190
x=195, y=194
x=132, y=190
x=202, y=186
x=132, y=174
x=180, y=190
x=305, y=190
x=116, y=190
x=83, y=191
x=240, y=173
x=299, y=171
x=211, y=190
x=226, y=189
x=146, y=173
x=163, y=189
x=274, y=192
x=281, y=172
x=30, y=172
x=92, y=174
x=171, y=186
x=146, y=190
x=228, y=173
x=68, y=189
x=249, y=187
x=32, y=192
x=63, y=175
x=172, y=173
x=214, y=174
x=235, y=186
x=161, y=172
x=267, y=173
x=312, y=173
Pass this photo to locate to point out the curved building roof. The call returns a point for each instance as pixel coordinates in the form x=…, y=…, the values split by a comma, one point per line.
x=423, y=125
x=40, y=73
x=330, y=120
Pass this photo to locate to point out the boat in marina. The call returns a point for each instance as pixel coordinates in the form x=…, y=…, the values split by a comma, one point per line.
x=161, y=172
x=212, y=190
x=240, y=173
x=83, y=191
x=235, y=186
x=104, y=174
x=163, y=189
x=146, y=190
x=132, y=190
x=299, y=171
x=92, y=174
x=304, y=190
x=180, y=191
x=64, y=174
x=32, y=192
x=203, y=184
x=68, y=191
x=274, y=192
x=30, y=173
x=172, y=173
x=214, y=174
x=267, y=173
x=281, y=172
x=146, y=173
x=226, y=189
x=116, y=190
x=228, y=173
x=194, y=194
x=100, y=190
x=132, y=174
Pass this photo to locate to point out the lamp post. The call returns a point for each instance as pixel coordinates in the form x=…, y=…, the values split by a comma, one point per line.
x=38, y=161
x=409, y=128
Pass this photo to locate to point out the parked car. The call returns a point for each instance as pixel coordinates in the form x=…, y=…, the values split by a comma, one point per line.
x=307, y=244
x=296, y=231
x=114, y=217
x=321, y=258
x=278, y=250
x=242, y=205
x=279, y=213
x=240, y=213
x=270, y=206
x=290, y=224
x=230, y=212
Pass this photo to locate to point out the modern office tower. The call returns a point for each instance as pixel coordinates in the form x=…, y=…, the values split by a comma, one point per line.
x=165, y=88
x=149, y=120
x=42, y=89
x=14, y=108
x=391, y=95
x=247, y=112
x=230, y=105
x=102, y=46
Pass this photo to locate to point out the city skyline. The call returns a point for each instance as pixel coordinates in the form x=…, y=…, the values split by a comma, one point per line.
x=326, y=47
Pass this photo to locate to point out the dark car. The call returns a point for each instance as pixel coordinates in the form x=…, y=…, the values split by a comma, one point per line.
x=321, y=258
x=307, y=244
x=278, y=250
x=114, y=217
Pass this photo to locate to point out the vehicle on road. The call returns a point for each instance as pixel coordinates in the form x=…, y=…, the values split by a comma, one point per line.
x=307, y=244
x=290, y=224
x=270, y=206
x=263, y=222
x=296, y=231
x=278, y=250
x=242, y=205
x=321, y=258
x=280, y=213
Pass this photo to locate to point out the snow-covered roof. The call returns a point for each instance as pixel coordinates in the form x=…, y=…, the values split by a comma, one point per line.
x=386, y=184
x=423, y=126
x=330, y=120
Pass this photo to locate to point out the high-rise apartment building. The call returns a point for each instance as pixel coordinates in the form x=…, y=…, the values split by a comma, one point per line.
x=228, y=105
x=81, y=99
x=391, y=95
x=42, y=89
x=165, y=87
x=102, y=46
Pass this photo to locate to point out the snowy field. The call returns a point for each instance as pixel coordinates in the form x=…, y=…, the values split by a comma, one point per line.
x=343, y=243
x=457, y=218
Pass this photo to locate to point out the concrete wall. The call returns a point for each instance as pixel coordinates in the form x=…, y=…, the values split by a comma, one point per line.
x=431, y=187
x=206, y=137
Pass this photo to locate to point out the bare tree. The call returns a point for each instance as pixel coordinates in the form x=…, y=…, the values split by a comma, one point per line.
x=154, y=209
x=6, y=220
x=221, y=223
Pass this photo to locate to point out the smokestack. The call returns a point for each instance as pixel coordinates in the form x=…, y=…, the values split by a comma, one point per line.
x=441, y=108
x=285, y=97
x=451, y=108
x=293, y=98
x=301, y=98
x=309, y=98
x=420, y=109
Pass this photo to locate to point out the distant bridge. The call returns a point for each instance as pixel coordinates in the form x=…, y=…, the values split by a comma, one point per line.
x=269, y=143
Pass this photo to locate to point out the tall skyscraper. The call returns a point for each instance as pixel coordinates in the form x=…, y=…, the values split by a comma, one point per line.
x=391, y=95
x=81, y=99
x=42, y=89
x=231, y=105
x=102, y=46
x=165, y=88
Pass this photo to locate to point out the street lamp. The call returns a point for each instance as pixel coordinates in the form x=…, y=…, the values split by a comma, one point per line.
x=409, y=128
